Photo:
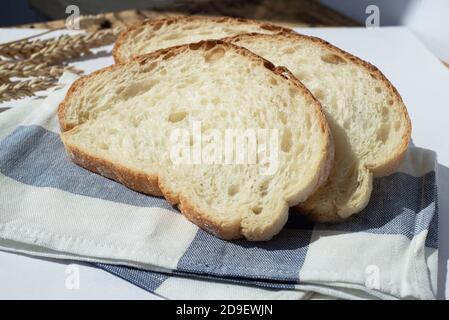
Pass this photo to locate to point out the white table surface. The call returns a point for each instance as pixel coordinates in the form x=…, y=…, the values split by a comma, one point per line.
x=418, y=75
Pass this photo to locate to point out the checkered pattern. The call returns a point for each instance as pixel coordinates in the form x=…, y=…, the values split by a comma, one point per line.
x=51, y=207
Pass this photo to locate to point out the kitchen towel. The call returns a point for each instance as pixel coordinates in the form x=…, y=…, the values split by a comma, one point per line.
x=51, y=207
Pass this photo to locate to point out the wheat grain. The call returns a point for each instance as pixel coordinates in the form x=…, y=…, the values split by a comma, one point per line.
x=28, y=68
x=72, y=46
x=21, y=49
x=20, y=89
x=44, y=61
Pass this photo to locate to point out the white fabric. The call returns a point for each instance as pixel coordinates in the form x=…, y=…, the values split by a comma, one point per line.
x=78, y=227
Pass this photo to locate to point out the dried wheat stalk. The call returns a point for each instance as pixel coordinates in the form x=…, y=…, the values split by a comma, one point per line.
x=72, y=45
x=21, y=89
x=44, y=59
x=67, y=47
x=29, y=68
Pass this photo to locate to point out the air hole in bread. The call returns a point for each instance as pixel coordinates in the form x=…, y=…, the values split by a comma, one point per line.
x=173, y=36
x=205, y=127
x=149, y=67
x=390, y=102
x=300, y=148
x=135, y=33
x=233, y=190
x=288, y=51
x=283, y=117
x=192, y=79
x=385, y=112
x=119, y=90
x=292, y=92
x=195, y=46
x=332, y=59
x=263, y=188
x=216, y=100
x=168, y=55
x=382, y=133
x=182, y=85
x=228, y=30
x=177, y=116
x=397, y=125
x=268, y=65
x=136, y=121
x=256, y=210
x=378, y=89
x=273, y=81
x=308, y=122
x=214, y=55
x=319, y=94
x=103, y=146
x=138, y=89
x=264, y=163
x=210, y=44
x=204, y=33
x=157, y=26
x=286, y=143
x=302, y=76
x=190, y=27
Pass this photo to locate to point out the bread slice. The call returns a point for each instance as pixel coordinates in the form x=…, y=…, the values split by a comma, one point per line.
x=367, y=117
x=155, y=34
x=119, y=122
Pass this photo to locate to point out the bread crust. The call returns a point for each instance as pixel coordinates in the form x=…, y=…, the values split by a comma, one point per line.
x=151, y=185
x=154, y=184
x=151, y=23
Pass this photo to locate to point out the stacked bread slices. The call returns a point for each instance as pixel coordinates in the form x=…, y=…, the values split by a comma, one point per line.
x=316, y=123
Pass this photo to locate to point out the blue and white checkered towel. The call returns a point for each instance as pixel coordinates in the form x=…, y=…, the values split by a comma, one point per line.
x=51, y=207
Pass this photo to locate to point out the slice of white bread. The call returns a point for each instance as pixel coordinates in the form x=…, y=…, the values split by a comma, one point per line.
x=118, y=122
x=155, y=34
x=367, y=117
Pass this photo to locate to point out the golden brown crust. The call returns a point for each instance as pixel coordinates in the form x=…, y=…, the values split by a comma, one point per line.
x=394, y=161
x=154, y=184
x=148, y=184
x=194, y=215
x=133, y=179
x=158, y=22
